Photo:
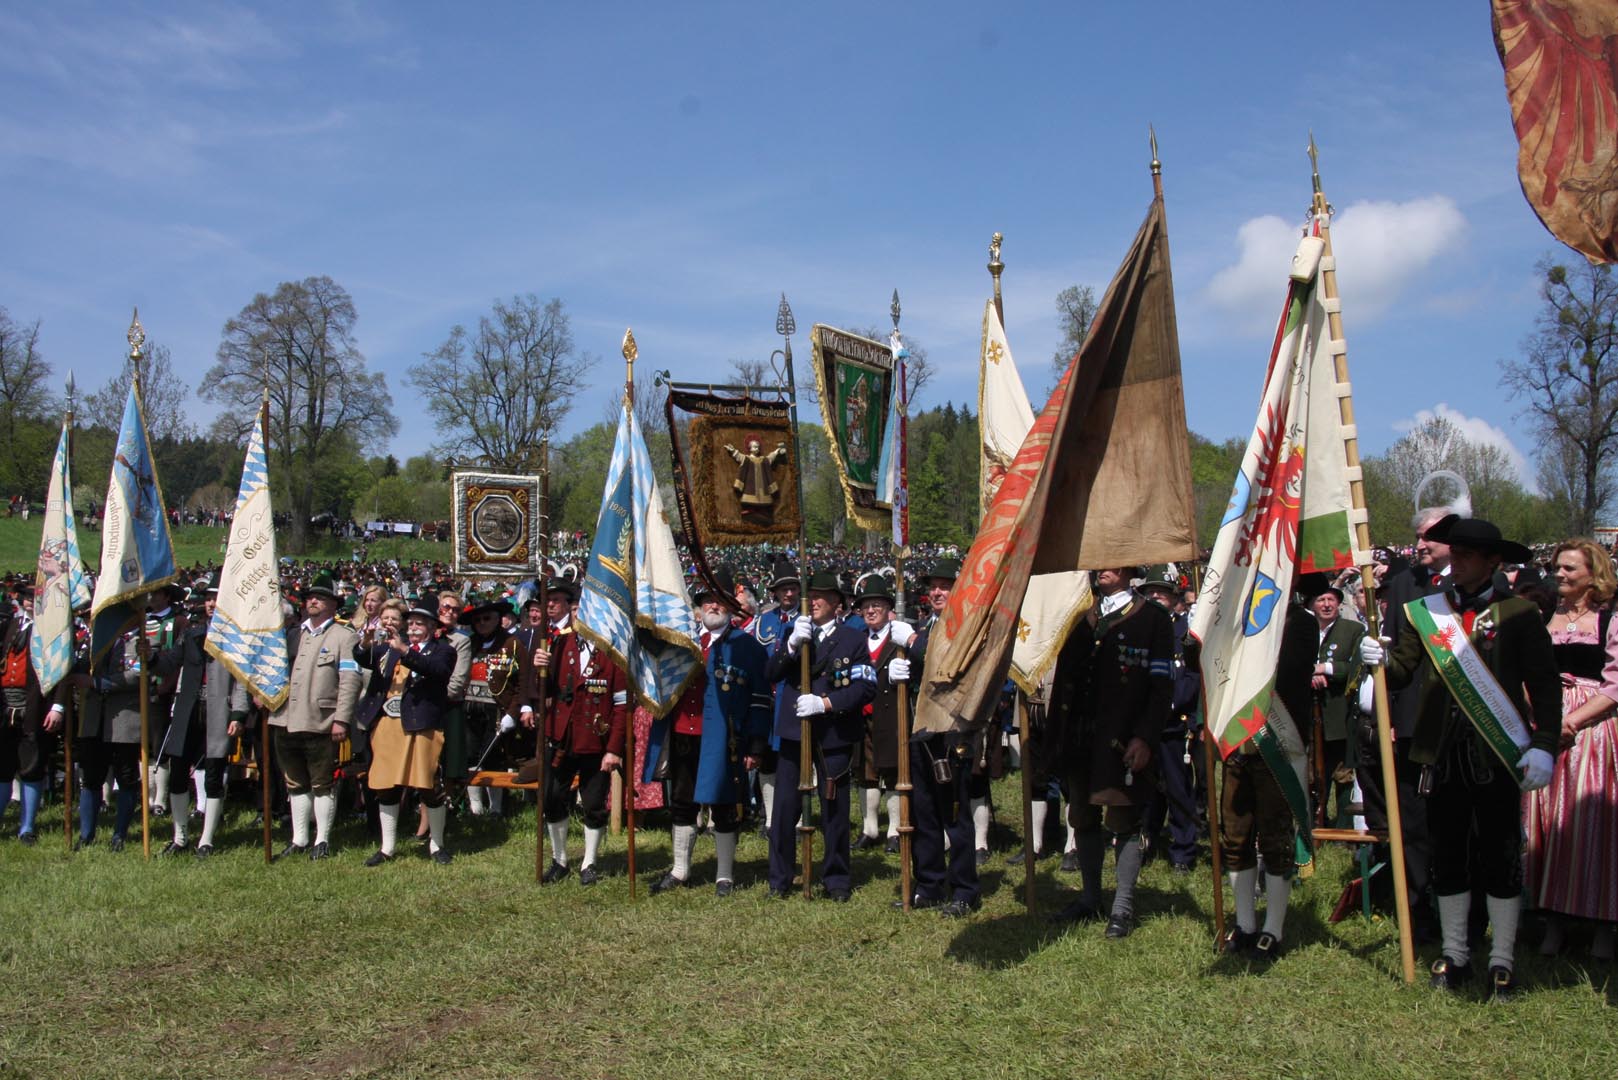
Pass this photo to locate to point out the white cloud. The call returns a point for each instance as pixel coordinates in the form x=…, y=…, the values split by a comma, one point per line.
x=1381, y=248
x=1477, y=431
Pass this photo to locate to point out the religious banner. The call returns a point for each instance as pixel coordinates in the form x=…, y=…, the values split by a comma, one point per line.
x=1560, y=58
x=496, y=524
x=854, y=379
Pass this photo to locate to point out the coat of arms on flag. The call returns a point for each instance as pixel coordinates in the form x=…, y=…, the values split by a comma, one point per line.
x=495, y=520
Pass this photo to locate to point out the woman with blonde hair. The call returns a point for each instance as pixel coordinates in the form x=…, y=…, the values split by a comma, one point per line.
x=1572, y=824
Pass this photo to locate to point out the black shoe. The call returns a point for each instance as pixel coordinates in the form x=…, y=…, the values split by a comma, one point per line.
x=1120, y=926
x=1070, y=862
x=291, y=850
x=1079, y=911
x=1183, y=869
x=202, y=851
x=1502, y=987
x=763, y=830
x=919, y=902
x=589, y=875
x=982, y=857
x=115, y=844
x=723, y=888
x=159, y=810
x=442, y=856
x=28, y=838
x=1239, y=942
x=422, y=838
x=959, y=909
x=378, y=857
x=838, y=896
x=82, y=842
x=1266, y=948
x=172, y=848
x=667, y=883
x=866, y=842
x=1448, y=975
x=554, y=873
x=321, y=850
x=892, y=846
x=780, y=894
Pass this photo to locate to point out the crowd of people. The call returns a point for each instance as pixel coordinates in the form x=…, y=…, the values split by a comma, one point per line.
x=412, y=689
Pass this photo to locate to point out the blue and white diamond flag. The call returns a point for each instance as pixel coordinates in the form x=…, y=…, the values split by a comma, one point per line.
x=60, y=587
x=247, y=633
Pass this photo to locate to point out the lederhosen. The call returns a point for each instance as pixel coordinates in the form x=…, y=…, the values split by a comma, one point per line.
x=25, y=747
x=591, y=687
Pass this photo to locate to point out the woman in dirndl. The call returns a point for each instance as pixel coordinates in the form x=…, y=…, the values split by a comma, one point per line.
x=1571, y=863
x=405, y=713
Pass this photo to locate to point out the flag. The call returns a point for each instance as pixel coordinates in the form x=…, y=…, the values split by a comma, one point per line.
x=1103, y=479
x=137, y=556
x=248, y=632
x=893, y=480
x=855, y=383
x=1560, y=58
x=60, y=587
x=633, y=604
x=1289, y=512
x=1054, y=602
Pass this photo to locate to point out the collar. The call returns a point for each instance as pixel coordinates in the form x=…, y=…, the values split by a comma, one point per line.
x=163, y=614
x=879, y=635
x=1476, y=601
x=310, y=628
x=1111, y=605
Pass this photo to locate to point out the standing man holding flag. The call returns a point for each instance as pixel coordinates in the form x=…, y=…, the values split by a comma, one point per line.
x=137, y=559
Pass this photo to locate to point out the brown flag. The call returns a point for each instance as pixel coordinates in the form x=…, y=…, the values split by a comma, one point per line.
x=1560, y=58
x=1103, y=479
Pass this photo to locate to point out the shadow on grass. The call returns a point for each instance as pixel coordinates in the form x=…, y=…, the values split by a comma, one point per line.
x=1004, y=941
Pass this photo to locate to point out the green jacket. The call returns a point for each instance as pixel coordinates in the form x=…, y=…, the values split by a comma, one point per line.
x=1341, y=649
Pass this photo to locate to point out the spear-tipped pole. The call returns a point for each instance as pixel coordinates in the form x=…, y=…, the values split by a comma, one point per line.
x=630, y=351
x=1157, y=166
x=904, y=782
x=996, y=267
x=541, y=752
x=265, y=817
x=78, y=698
x=1322, y=210
x=137, y=339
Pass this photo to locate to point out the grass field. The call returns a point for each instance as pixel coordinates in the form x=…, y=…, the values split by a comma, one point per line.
x=110, y=966
x=19, y=546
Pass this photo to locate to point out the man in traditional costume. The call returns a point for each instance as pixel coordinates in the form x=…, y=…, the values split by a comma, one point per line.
x=210, y=711
x=499, y=692
x=30, y=725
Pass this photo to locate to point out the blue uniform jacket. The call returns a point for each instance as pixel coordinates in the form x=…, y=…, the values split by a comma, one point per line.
x=840, y=670
x=735, y=719
x=426, y=697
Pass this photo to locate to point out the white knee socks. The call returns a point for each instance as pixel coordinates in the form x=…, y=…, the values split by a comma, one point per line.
x=1242, y=883
x=592, y=845
x=387, y=815
x=325, y=811
x=558, y=831
x=1277, y=891
x=302, y=805
x=873, y=806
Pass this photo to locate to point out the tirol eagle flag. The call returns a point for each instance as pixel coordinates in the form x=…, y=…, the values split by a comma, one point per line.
x=1054, y=602
x=1289, y=513
x=1561, y=61
x=137, y=556
x=1113, y=428
x=633, y=602
x=248, y=633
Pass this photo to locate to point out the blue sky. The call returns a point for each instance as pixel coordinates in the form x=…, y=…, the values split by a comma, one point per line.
x=676, y=167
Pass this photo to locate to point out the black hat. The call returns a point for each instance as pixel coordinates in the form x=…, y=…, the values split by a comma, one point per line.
x=497, y=604
x=722, y=580
x=873, y=586
x=783, y=573
x=1476, y=534
x=426, y=606
x=944, y=568
x=211, y=584
x=1315, y=583
x=565, y=586
x=825, y=581
x=322, y=585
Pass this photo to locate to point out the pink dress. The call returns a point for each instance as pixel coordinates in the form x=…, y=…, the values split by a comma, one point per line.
x=1571, y=865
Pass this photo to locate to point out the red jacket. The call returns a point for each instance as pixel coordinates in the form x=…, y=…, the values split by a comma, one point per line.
x=587, y=709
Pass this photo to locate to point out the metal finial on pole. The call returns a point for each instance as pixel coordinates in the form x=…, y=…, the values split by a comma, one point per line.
x=893, y=310
x=996, y=267
x=1314, y=164
x=72, y=390
x=630, y=352
x=785, y=324
x=1157, y=164
x=137, y=342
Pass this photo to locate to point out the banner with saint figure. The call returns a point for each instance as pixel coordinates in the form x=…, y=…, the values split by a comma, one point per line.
x=854, y=378
x=496, y=524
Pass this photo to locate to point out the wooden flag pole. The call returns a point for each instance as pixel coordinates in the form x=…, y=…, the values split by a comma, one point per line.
x=75, y=698
x=1362, y=542
x=542, y=717
x=630, y=352
x=264, y=781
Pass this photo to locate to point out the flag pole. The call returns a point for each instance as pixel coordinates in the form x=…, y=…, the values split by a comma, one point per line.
x=541, y=752
x=630, y=353
x=137, y=337
x=996, y=268
x=263, y=713
x=1216, y=852
x=1322, y=210
x=77, y=699
x=904, y=783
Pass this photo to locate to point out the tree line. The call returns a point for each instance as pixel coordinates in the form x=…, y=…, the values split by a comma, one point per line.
x=498, y=390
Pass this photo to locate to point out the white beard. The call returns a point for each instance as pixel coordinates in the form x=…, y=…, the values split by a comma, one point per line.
x=715, y=621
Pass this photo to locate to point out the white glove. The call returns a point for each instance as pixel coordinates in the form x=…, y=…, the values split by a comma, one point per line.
x=899, y=670
x=810, y=705
x=1536, y=766
x=507, y=723
x=1374, y=651
x=902, y=633
x=1368, y=697
x=803, y=628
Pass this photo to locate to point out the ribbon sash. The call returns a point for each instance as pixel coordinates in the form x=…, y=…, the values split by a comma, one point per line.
x=1481, y=698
